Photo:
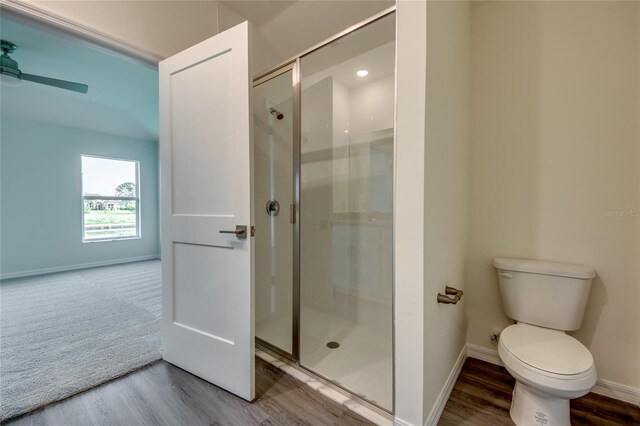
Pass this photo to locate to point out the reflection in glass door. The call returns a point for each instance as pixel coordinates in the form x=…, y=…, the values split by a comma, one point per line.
x=273, y=197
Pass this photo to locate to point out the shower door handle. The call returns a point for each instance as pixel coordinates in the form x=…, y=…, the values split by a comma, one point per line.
x=240, y=232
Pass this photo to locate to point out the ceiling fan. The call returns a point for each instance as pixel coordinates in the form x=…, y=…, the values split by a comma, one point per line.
x=9, y=67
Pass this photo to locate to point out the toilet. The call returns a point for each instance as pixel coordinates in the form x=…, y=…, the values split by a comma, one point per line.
x=546, y=299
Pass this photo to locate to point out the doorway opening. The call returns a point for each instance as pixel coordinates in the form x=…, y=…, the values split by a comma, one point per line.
x=80, y=279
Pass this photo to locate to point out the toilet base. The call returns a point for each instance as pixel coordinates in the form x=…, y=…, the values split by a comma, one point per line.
x=530, y=407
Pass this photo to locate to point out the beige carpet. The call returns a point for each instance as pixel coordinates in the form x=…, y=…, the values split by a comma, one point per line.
x=66, y=332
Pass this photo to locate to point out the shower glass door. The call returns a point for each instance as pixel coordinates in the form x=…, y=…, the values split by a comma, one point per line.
x=273, y=182
x=346, y=211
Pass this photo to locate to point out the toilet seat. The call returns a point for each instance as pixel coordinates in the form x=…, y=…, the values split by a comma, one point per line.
x=528, y=353
x=551, y=351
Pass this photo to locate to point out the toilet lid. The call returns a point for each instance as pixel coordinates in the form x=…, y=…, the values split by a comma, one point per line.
x=548, y=350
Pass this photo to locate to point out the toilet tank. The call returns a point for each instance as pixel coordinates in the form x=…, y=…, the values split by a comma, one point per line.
x=548, y=294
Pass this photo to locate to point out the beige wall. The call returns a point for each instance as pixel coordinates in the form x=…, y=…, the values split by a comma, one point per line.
x=159, y=27
x=446, y=181
x=264, y=55
x=555, y=149
x=408, y=235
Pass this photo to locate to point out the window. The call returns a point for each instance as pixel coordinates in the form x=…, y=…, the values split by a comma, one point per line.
x=110, y=199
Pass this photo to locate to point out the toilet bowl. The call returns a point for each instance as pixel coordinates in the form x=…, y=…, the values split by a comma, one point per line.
x=550, y=367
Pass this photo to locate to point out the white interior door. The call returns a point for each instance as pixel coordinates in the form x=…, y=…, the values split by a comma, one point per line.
x=205, y=152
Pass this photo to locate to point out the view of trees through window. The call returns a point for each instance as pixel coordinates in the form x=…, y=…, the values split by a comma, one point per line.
x=110, y=198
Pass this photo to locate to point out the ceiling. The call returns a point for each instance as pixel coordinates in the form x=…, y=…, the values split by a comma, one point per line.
x=123, y=93
x=258, y=12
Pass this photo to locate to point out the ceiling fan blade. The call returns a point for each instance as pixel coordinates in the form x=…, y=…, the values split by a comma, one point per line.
x=62, y=84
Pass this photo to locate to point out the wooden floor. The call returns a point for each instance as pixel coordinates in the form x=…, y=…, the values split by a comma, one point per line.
x=162, y=394
x=482, y=396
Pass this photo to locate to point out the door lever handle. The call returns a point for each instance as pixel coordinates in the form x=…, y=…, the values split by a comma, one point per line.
x=240, y=232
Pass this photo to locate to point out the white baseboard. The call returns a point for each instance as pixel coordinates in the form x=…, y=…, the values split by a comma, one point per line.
x=483, y=354
x=604, y=387
x=617, y=391
x=76, y=267
x=400, y=422
x=441, y=402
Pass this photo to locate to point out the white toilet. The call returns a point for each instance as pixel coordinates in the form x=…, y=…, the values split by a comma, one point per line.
x=550, y=367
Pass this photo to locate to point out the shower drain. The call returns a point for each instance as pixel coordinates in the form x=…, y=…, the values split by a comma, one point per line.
x=333, y=345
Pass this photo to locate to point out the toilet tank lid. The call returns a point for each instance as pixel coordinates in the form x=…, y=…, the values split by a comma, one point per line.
x=545, y=268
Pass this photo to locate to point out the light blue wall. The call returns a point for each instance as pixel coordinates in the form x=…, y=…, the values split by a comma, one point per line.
x=40, y=198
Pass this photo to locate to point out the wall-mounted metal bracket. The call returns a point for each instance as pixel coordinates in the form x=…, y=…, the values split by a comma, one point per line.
x=457, y=295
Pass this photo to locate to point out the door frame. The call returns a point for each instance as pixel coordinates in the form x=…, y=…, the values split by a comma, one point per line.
x=38, y=16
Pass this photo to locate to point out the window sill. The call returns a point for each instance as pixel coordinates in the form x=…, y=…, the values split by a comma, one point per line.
x=104, y=240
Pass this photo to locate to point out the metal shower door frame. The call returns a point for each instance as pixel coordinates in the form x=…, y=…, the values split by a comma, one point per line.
x=293, y=64
x=294, y=67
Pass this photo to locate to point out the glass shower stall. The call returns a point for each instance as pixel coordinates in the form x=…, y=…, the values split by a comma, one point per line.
x=323, y=179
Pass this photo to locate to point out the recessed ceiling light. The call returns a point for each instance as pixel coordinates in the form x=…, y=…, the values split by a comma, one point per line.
x=362, y=73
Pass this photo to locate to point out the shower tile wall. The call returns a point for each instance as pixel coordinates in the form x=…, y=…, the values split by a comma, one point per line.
x=348, y=160
x=316, y=202
x=347, y=139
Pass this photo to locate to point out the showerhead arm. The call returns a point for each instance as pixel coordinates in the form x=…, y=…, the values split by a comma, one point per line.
x=277, y=113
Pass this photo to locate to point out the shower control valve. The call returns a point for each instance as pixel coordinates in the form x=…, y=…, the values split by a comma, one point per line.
x=273, y=208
